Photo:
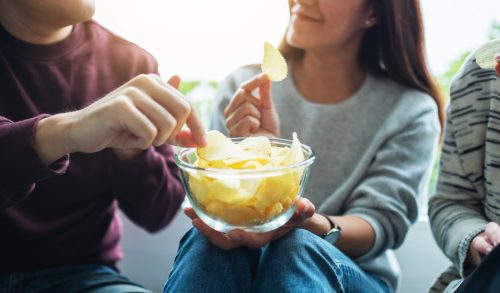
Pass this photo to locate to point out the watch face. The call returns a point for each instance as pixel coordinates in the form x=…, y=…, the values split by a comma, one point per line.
x=332, y=236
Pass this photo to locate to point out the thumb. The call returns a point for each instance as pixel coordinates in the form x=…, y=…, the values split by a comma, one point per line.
x=185, y=139
x=266, y=100
x=174, y=81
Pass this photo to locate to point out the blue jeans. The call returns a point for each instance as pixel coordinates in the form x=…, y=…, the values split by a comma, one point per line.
x=298, y=262
x=69, y=279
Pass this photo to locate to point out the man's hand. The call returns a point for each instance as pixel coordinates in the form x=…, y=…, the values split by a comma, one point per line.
x=144, y=112
x=247, y=115
x=237, y=238
x=483, y=244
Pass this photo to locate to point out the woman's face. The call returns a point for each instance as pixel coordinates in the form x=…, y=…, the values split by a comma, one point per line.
x=327, y=24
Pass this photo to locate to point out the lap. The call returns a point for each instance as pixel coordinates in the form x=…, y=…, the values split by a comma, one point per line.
x=292, y=263
x=301, y=257
x=78, y=278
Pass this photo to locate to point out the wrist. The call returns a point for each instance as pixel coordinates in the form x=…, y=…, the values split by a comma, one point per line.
x=50, y=139
x=127, y=154
x=317, y=224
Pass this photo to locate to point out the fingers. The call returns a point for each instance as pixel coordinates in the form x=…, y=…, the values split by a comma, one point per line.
x=244, y=94
x=161, y=118
x=217, y=238
x=197, y=133
x=244, y=127
x=497, y=68
x=266, y=101
x=190, y=213
x=255, y=82
x=174, y=81
x=493, y=233
x=246, y=109
x=479, y=246
x=175, y=103
x=240, y=97
x=142, y=129
x=252, y=240
x=304, y=210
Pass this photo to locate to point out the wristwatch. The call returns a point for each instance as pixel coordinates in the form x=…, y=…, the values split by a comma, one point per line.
x=334, y=233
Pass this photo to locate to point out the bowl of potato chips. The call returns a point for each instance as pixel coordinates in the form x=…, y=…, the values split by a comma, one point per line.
x=248, y=183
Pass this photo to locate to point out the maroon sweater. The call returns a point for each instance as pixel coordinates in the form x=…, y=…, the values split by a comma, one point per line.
x=67, y=213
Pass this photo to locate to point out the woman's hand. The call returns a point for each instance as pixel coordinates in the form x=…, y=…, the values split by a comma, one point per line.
x=483, y=243
x=248, y=115
x=236, y=238
x=144, y=112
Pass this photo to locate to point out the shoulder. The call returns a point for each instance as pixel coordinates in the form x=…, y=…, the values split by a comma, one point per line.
x=473, y=87
x=118, y=50
x=407, y=103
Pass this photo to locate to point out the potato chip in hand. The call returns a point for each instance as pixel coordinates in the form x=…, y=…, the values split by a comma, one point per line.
x=274, y=64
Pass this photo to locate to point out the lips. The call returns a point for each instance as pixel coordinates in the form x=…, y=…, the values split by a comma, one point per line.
x=302, y=13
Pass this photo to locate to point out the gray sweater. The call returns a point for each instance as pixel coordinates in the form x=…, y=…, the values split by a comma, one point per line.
x=372, y=150
x=468, y=191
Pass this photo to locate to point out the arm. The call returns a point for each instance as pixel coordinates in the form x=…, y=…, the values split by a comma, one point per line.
x=21, y=167
x=357, y=235
x=455, y=211
x=148, y=187
x=386, y=196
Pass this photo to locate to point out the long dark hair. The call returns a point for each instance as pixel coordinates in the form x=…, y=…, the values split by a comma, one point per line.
x=394, y=48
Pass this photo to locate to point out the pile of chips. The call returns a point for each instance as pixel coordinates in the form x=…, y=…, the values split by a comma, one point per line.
x=244, y=200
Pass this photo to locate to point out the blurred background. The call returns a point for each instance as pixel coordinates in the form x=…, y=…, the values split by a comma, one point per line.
x=203, y=41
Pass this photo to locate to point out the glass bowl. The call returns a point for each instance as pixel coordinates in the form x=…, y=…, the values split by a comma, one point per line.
x=254, y=200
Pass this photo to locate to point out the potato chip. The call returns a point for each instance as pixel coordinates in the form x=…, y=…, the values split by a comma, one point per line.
x=273, y=63
x=296, y=154
x=485, y=56
x=257, y=144
x=218, y=147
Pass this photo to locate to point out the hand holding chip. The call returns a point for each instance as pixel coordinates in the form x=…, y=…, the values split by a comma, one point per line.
x=237, y=238
x=248, y=115
x=144, y=112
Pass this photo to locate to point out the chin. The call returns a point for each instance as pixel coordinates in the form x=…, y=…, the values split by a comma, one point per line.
x=297, y=41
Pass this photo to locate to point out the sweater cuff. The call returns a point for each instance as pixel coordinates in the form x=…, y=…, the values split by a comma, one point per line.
x=463, y=249
x=133, y=168
x=378, y=244
x=21, y=164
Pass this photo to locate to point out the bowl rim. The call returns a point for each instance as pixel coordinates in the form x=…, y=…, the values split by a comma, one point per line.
x=219, y=171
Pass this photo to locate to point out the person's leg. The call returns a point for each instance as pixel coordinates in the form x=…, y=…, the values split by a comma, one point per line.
x=201, y=266
x=486, y=277
x=70, y=279
x=301, y=261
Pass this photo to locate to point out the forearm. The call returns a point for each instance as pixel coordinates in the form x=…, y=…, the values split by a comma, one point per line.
x=21, y=167
x=356, y=238
x=454, y=223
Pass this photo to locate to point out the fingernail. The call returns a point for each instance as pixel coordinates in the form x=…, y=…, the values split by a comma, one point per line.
x=203, y=140
x=497, y=57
